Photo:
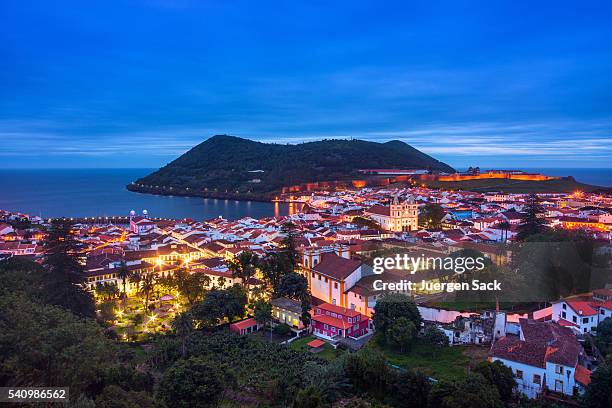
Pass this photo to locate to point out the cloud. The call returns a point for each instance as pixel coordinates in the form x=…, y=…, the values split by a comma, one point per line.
x=569, y=142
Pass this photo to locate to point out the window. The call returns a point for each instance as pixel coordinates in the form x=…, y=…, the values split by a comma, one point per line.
x=326, y=280
x=333, y=329
x=350, y=320
x=537, y=379
x=313, y=274
x=564, y=315
x=564, y=306
x=318, y=311
x=335, y=285
x=559, y=369
x=574, y=319
x=519, y=374
x=325, y=326
x=585, y=320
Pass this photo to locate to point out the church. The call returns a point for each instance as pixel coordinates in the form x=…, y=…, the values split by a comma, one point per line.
x=397, y=216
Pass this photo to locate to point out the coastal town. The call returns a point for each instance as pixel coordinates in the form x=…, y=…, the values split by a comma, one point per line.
x=146, y=272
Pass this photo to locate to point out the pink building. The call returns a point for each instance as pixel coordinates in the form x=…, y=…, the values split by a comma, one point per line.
x=332, y=322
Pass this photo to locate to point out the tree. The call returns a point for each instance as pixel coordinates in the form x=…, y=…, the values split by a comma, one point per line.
x=410, y=388
x=124, y=274
x=473, y=392
x=113, y=396
x=366, y=223
x=499, y=376
x=432, y=214
x=435, y=337
x=504, y=226
x=263, y=313
x=42, y=344
x=191, y=285
x=107, y=290
x=235, y=304
x=183, y=328
x=219, y=304
x=599, y=392
x=295, y=286
x=147, y=285
x=191, y=383
x=559, y=263
x=65, y=279
x=288, y=244
x=244, y=266
x=368, y=371
x=604, y=335
x=308, y=397
x=274, y=267
x=209, y=312
x=532, y=220
x=392, y=307
x=400, y=333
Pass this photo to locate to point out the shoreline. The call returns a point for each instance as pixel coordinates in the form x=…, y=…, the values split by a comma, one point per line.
x=261, y=198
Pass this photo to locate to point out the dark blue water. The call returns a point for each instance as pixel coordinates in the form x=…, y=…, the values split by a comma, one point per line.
x=102, y=192
x=597, y=177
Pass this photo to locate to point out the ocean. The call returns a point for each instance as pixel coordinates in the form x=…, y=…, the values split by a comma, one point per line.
x=102, y=192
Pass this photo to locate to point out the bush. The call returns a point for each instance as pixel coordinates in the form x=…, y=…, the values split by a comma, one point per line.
x=282, y=329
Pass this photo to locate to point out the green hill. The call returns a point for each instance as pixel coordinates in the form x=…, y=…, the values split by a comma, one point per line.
x=560, y=185
x=228, y=166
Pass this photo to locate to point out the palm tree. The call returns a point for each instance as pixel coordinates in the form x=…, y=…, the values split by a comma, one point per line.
x=107, y=291
x=147, y=285
x=504, y=226
x=124, y=274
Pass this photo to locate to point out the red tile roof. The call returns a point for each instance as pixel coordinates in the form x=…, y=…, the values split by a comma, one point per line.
x=336, y=267
x=315, y=343
x=544, y=342
x=332, y=321
x=379, y=209
x=338, y=309
x=244, y=324
x=581, y=307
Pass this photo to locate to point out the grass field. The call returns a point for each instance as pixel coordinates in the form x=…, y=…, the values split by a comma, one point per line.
x=562, y=185
x=328, y=352
x=442, y=364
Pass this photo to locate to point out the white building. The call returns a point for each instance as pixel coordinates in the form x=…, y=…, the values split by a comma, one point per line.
x=396, y=217
x=583, y=314
x=544, y=355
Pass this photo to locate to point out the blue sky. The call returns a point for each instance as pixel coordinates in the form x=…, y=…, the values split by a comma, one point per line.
x=136, y=83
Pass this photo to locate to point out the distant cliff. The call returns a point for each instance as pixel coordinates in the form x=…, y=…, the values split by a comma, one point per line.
x=232, y=167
